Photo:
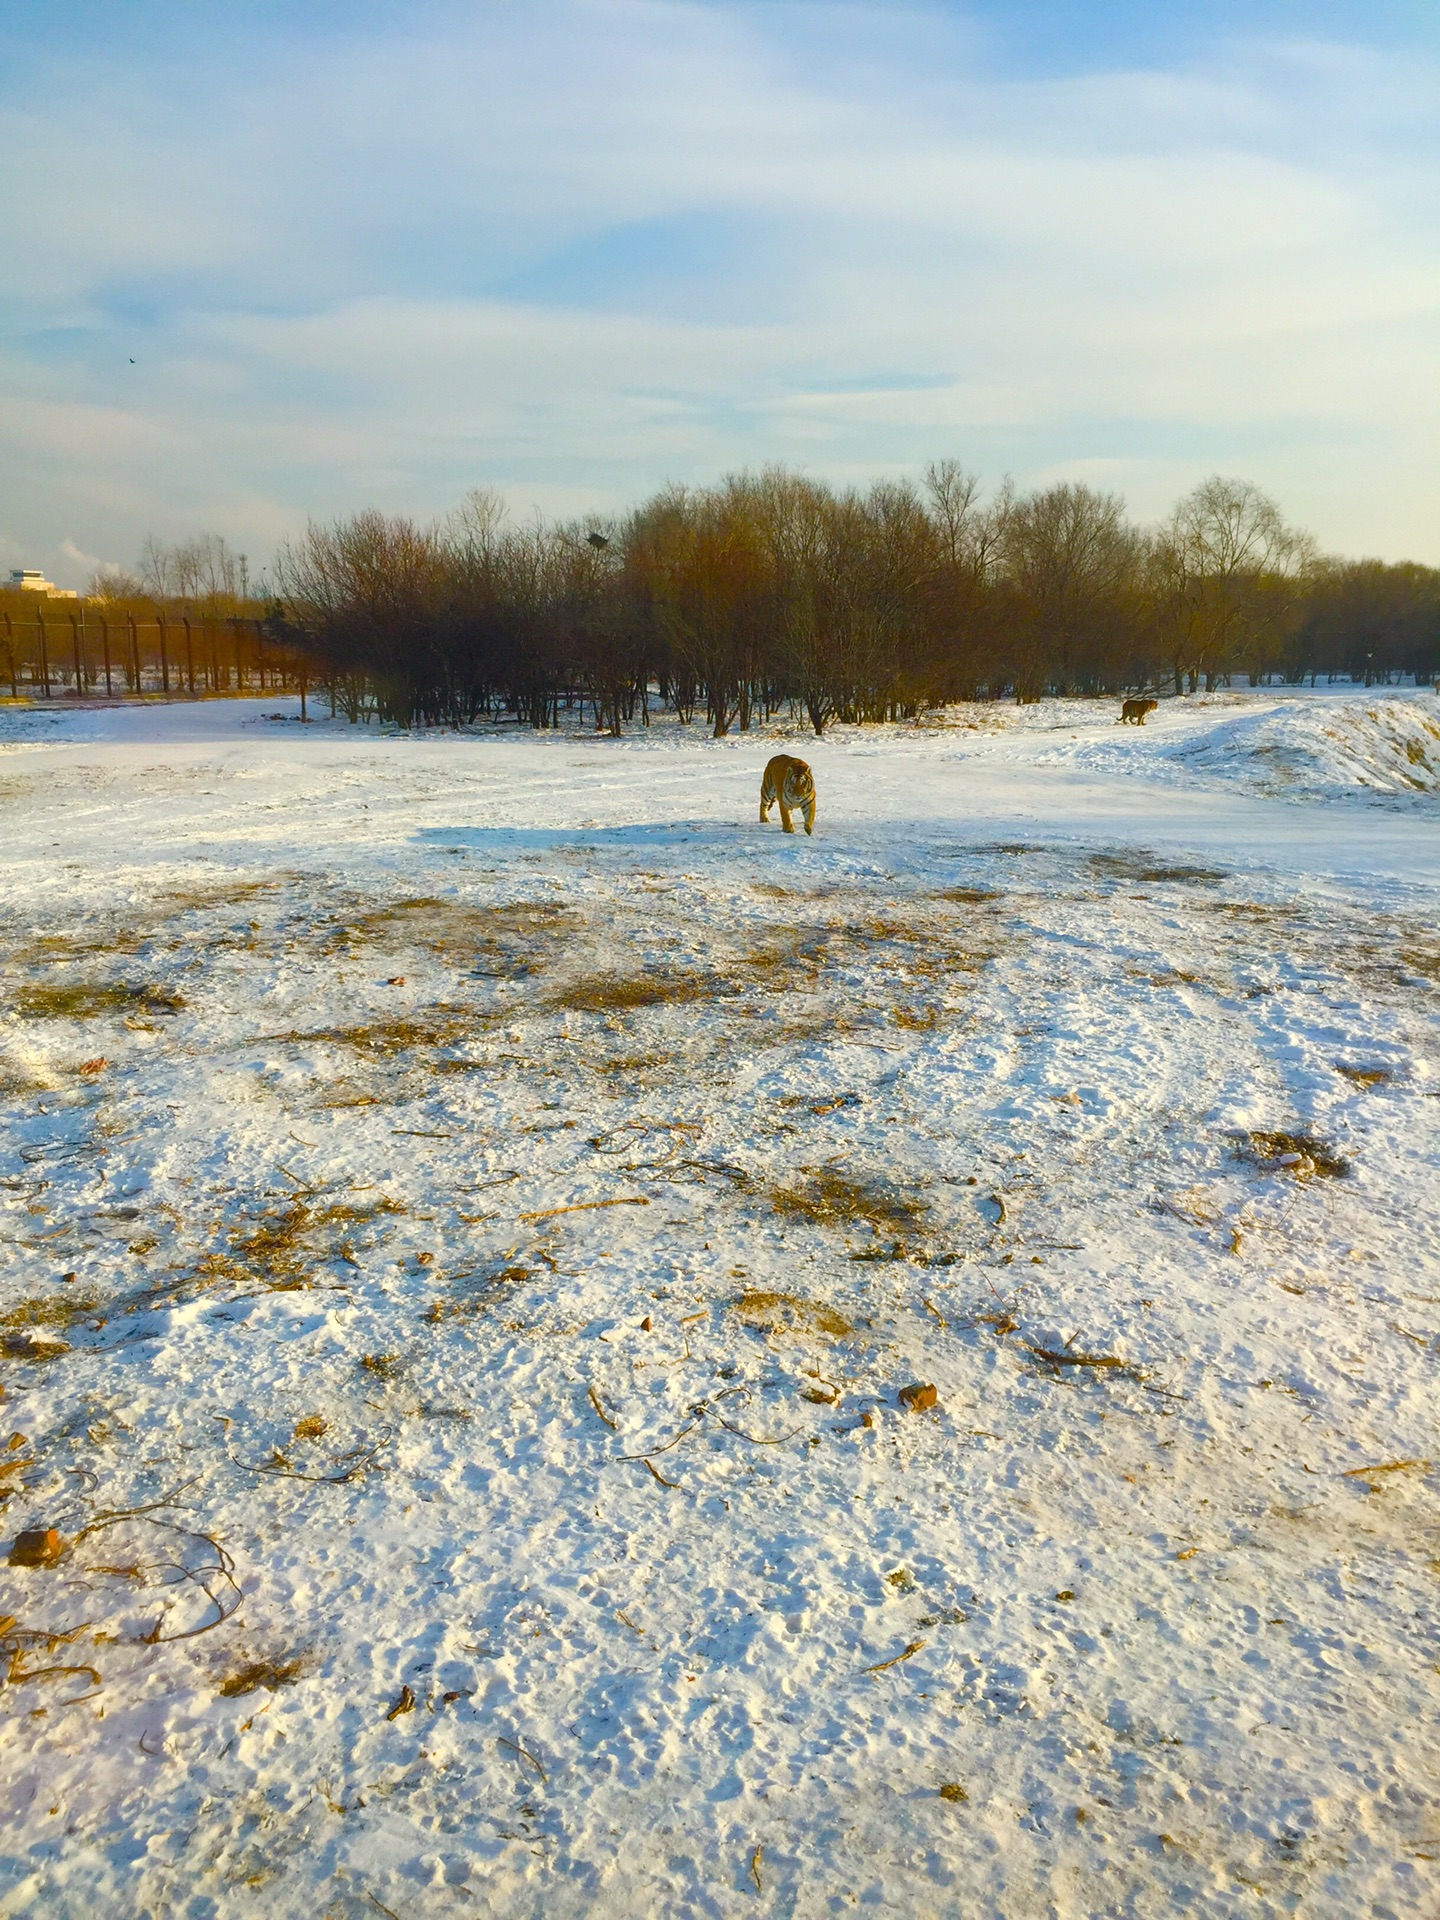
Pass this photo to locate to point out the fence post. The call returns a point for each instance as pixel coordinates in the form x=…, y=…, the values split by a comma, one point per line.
x=138, y=683
x=44, y=654
x=10, y=656
x=105, y=651
x=189, y=656
x=75, y=647
x=164, y=655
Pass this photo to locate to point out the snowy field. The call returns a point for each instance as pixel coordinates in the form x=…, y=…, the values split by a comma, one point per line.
x=468, y=1207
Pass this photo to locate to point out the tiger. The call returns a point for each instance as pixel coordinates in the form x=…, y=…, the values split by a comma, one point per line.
x=1136, y=710
x=791, y=782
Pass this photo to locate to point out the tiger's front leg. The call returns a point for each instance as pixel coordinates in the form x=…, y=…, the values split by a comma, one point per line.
x=810, y=814
x=785, y=818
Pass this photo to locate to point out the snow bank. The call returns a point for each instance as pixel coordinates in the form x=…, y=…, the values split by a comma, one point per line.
x=1390, y=746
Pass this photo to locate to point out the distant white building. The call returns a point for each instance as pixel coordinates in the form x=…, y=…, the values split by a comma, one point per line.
x=31, y=580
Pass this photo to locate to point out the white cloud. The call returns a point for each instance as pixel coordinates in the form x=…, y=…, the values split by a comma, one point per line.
x=77, y=557
x=1146, y=274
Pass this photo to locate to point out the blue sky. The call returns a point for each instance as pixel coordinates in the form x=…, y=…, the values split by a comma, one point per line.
x=263, y=261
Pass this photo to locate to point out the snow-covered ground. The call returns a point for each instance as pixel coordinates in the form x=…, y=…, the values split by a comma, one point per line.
x=469, y=1206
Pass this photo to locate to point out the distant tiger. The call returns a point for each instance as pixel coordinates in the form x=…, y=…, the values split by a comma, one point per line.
x=790, y=782
x=1136, y=710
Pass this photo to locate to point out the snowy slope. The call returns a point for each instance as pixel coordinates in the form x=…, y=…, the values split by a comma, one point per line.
x=1304, y=747
x=1391, y=746
x=516, y=1190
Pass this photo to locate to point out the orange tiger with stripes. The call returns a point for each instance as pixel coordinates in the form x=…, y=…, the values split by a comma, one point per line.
x=791, y=782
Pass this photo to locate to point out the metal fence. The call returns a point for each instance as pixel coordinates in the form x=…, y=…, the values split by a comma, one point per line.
x=53, y=652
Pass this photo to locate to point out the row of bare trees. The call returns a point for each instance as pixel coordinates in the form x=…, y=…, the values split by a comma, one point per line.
x=204, y=576
x=773, y=590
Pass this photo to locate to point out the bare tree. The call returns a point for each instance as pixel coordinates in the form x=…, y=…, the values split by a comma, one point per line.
x=1072, y=563
x=114, y=585
x=204, y=572
x=1228, y=570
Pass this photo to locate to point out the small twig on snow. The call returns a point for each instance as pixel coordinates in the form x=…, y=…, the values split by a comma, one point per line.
x=587, y=1206
x=525, y=1754
x=595, y=1402
x=882, y=1666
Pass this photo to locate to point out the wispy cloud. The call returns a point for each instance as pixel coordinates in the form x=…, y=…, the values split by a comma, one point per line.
x=580, y=247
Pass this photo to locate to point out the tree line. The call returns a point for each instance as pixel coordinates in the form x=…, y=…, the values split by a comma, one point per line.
x=773, y=591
